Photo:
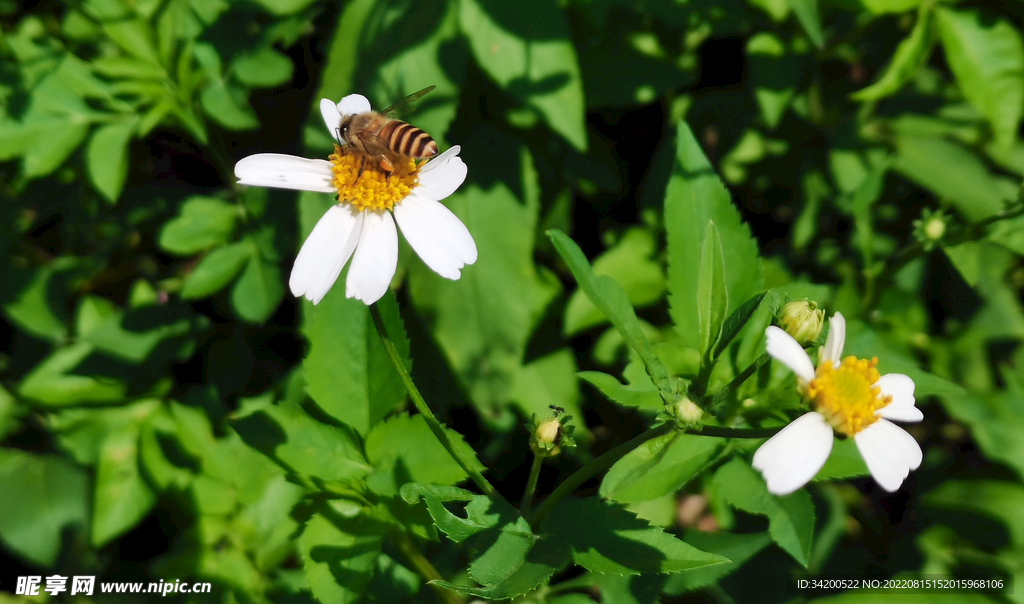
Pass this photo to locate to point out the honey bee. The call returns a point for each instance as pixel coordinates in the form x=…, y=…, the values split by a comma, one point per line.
x=381, y=138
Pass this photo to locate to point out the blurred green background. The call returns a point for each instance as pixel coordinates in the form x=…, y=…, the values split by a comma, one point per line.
x=146, y=324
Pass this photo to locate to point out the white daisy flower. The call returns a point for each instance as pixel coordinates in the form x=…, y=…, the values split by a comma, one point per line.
x=849, y=397
x=361, y=226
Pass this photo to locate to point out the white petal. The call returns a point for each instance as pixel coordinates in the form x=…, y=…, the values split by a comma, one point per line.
x=375, y=260
x=325, y=253
x=901, y=388
x=285, y=172
x=353, y=104
x=783, y=348
x=332, y=116
x=442, y=175
x=791, y=458
x=836, y=340
x=889, y=452
x=437, y=235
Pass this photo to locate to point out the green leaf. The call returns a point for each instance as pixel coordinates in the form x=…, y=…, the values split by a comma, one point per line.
x=283, y=7
x=286, y=434
x=695, y=197
x=641, y=396
x=738, y=548
x=631, y=263
x=403, y=449
x=807, y=14
x=712, y=296
x=106, y=157
x=486, y=353
x=774, y=73
x=953, y=173
x=51, y=383
x=1001, y=501
x=909, y=56
x=606, y=294
x=507, y=558
x=258, y=292
x=531, y=55
x=202, y=223
x=53, y=140
x=51, y=494
x=549, y=380
x=987, y=56
x=32, y=310
x=134, y=36
x=130, y=336
x=790, y=518
x=658, y=467
x=844, y=462
x=123, y=497
x=227, y=106
x=736, y=321
x=339, y=554
x=607, y=539
x=264, y=68
x=215, y=270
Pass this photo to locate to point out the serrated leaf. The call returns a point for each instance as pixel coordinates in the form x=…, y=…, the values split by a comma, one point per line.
x=339, y=554
x=736, y=321
x=539, y=564
x=215, y=270
x=202, y=223
x=606, y=294
x=403, y=449
x=909, y=56
x=285, y=433
x=106, y=157
x=51, y=494
x=530, y=54
x=695, y=196
x=641, y=396
x=607, y=539
x=659, y=466
x=123, y=497
x=790, y=518
x=987, y=56
x=738, y=548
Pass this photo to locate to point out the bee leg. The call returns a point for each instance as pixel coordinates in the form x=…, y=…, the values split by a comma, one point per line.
x=362, y=166
x=387, y=166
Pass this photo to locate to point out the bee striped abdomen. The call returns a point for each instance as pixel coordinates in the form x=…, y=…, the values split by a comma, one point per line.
x=407, y=140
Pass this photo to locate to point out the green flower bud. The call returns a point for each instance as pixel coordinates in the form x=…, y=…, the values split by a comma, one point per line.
x=687, y=412
x=802, y=319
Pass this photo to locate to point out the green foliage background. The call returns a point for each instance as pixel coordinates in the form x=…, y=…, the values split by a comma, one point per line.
x=167, y=410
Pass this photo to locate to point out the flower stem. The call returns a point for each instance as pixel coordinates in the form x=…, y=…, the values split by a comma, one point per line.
x=421, y=406
x=531, y=486
x=424, y=567
x=743, y=376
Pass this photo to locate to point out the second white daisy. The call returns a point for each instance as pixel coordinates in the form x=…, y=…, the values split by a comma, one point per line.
x=850, y=397
x=362, y=224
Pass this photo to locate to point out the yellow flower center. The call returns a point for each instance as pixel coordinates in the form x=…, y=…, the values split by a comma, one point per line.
x=362, y=182
x=846, y=395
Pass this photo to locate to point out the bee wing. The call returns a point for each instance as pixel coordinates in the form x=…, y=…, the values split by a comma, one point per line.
x=402, y=104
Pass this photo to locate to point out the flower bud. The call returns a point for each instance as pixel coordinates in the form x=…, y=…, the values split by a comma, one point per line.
x=547, y=431
x=802, y=319
x=687, y=412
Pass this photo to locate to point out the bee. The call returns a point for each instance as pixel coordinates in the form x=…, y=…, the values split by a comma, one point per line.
x=381, y=138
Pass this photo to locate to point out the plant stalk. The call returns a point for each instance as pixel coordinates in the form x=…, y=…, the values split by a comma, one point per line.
x=531, y=486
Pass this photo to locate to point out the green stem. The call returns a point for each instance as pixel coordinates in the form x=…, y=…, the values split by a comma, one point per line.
x=743, y=376
x=424, y=567
x=590, y=470
x=577, y=478
x=531, y=486
x=421, y=406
